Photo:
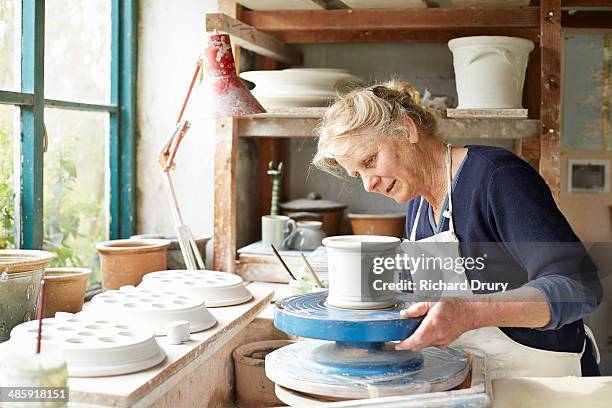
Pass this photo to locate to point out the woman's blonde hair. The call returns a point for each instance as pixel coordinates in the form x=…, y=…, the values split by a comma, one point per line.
x=377, y=111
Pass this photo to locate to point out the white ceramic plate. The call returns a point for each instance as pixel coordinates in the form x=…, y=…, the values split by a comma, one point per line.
x=298, y=86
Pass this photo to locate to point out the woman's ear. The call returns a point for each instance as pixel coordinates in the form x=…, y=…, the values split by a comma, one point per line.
x=413, y=133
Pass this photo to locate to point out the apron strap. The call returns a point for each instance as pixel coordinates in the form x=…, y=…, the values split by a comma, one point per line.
x=415, y=223
x=449, y=213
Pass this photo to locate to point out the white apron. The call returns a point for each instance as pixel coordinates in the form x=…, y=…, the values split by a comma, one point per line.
x=505, y=357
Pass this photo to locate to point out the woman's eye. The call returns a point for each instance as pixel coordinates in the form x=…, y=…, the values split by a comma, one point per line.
x=370, y=161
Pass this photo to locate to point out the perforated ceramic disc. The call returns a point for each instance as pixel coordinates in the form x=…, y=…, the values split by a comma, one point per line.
x=152, y=309
x=94, y=347
x=309, y=316
x=215, y=288
x=302, y=366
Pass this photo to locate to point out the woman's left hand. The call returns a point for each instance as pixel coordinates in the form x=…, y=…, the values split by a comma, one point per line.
x=443, y=323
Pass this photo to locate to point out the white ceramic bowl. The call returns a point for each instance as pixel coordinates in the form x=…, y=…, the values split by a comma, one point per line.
x=352, y=282
x=298, y=86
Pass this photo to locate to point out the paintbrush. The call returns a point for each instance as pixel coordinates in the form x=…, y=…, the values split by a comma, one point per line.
x=277, y=255
x=41, y=305
x=312, y=272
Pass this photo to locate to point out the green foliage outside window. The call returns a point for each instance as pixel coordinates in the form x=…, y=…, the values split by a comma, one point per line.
x=7, y=193
x=72, y=220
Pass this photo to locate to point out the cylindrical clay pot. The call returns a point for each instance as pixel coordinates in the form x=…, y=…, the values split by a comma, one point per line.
x=392, y=225
x=175, y=256
x=126, y=261
x=353, y=283
x=490, y=71
x=64, y=290
x=253, y=388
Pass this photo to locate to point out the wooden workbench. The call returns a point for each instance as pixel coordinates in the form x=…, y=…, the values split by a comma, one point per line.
x=197, y=373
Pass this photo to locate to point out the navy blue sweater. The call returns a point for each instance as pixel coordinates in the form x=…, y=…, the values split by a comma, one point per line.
x=498, y=197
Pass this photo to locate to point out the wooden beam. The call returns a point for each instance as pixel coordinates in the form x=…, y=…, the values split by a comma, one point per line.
x=283, y=5
x=587, y=19
x=550, y=112
x=226, y=149
x=440, y=35
x=269, y=150
x=586, y=3
x=252, y=39
x=389, y=19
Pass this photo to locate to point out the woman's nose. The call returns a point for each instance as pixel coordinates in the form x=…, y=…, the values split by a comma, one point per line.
x=370, y=182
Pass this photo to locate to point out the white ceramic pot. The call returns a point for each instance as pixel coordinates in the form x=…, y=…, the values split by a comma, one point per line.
x=352, y=282
x=490, y=71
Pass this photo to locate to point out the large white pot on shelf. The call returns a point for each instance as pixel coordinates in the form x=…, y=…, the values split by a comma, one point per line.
x=490, y=71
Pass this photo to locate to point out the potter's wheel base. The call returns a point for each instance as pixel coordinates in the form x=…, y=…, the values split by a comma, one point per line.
x=310, y=367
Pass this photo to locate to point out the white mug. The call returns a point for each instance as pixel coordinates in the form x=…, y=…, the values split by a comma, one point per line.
x=275, y=228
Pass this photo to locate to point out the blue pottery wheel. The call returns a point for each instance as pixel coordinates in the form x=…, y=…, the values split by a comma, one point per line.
x=309, y=316
x=359, y=361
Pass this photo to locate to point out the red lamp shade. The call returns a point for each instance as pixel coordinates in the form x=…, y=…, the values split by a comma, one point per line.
x=223, y=93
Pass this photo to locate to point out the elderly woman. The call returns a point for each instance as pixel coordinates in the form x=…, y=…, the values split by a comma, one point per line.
x=382, y=136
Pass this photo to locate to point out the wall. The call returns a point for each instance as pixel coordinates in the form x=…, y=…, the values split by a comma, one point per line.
x=170, y=37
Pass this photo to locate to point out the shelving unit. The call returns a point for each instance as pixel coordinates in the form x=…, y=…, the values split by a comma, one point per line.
x=271, y=33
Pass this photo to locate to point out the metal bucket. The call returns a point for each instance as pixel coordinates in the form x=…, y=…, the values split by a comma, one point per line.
x=20, y=274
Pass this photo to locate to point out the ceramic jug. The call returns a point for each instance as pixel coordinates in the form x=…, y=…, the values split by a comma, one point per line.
x=307, y=236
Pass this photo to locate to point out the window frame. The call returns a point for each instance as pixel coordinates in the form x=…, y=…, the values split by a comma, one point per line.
x=122, y=122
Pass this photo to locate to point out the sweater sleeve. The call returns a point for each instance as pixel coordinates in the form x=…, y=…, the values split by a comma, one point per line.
x=525, y=217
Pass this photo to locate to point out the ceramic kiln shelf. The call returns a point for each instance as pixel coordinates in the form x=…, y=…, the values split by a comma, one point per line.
x=360, y=363
x=216, y=289
x=152, y=309
x=94, y=348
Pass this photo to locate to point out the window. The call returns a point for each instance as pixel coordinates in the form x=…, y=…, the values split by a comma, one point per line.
x=66, y=125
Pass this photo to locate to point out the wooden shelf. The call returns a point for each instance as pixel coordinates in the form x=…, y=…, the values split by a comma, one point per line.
x=270, y=33
x=301, y=122
x=394, y=25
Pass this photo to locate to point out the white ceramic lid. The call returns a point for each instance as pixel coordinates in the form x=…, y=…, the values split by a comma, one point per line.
x=93, y=347
x=214, y=288
x=152, y=308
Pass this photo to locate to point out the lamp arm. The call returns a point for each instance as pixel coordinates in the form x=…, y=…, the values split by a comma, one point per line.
x=189, y=249
x=168, y=152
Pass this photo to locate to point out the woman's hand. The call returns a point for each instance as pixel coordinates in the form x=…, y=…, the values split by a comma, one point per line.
x=443, y=323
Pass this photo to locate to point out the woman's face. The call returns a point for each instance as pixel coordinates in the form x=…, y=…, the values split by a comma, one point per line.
x=385, y=169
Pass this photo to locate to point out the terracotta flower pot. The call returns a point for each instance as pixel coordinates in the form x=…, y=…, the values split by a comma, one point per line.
x=126, y=261
x=64, y=290
x=391, y=225
x=253, y=388
x=175, y=257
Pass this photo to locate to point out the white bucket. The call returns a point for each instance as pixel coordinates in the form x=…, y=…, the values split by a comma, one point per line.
x=490, y=71
x=353, y=284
